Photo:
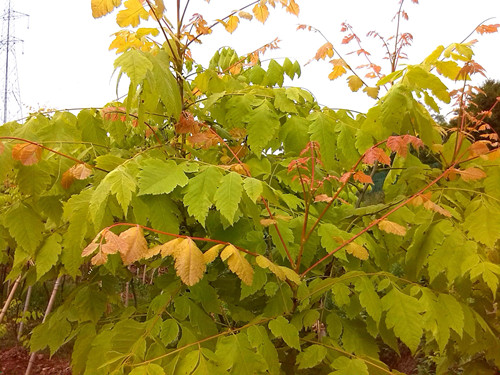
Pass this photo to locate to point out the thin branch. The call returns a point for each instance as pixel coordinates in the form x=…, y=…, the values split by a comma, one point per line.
x=56, y=152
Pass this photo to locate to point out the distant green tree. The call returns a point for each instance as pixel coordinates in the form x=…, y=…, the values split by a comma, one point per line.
x=484, y=101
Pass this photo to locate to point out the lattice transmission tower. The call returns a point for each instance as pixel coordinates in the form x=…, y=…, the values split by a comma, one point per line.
x=10, y=94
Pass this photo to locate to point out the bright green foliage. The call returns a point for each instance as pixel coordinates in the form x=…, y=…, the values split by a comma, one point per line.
x=255, y=231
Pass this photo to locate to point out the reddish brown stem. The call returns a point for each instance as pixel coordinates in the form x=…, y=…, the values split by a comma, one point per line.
x=247, y=171
x=375, y=222
x=334, y=198
x=180, y=236
x=55, y=152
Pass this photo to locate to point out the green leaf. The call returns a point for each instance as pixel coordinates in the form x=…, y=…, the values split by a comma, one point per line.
x=294, y=134
x=259, y=339
x=169, y=331
x=483, y=224
x=280, y=327
x=369, y=298
x=236, y=353
x=253, y=188
x=228, y=195
x=311, y=356
x=349, y=366
x=134, y=64
x=403, y=316
x=48, y=255
x=33, y=180
x=333, y=326
x=160, y=177
x=91, y=304
x=200, y=193
x=149, y=369
x=417, y=77
x=163, y=83
x=490, y=273
x=274, y=74
x=77, y=212
x=263, y=124
x=25, y=226
x=122, y=185
x=322, y=130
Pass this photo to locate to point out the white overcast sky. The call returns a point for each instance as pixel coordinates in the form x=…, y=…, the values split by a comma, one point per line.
x=64, y=61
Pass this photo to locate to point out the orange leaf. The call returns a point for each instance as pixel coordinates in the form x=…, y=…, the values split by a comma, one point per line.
x=322, y=198
x=430, y=205
x=67, y=180
x=471, y=174
x=91, y=247
x=27, y=153
x=376, y=154
x=261, y=12
x=293, y=8
x=488, y=29
x=391, y=227
x=114, y=244
x=323, y=51
x=398, y=145
x=267, y=222
x=99, y=259
x=80, y=171
x=479, y=148
x=363, y=178
x=245, y=15
x=137, y=247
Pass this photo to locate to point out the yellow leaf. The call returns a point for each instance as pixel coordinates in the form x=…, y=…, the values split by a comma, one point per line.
x=238, y=264
x=132, y=14
x=471, y=174
x=157, y=9
x=391, y=227
x=232, y=24
x=212, y=253
x=492, y=155
x=372, y=92
x=263, y=262
x=291, y=275
x=293, y=8
x=354, y=82
x=189, y=262
x=245, y=15
x=137, y=246
x=170, y=247
x=357, y=250
x=261, y=12
x=102, y=7
x=339, y=66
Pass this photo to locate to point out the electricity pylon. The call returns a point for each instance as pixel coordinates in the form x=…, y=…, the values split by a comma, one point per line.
x=10, y=93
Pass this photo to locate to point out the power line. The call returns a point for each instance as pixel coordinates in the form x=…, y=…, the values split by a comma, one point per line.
x=11, y=96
